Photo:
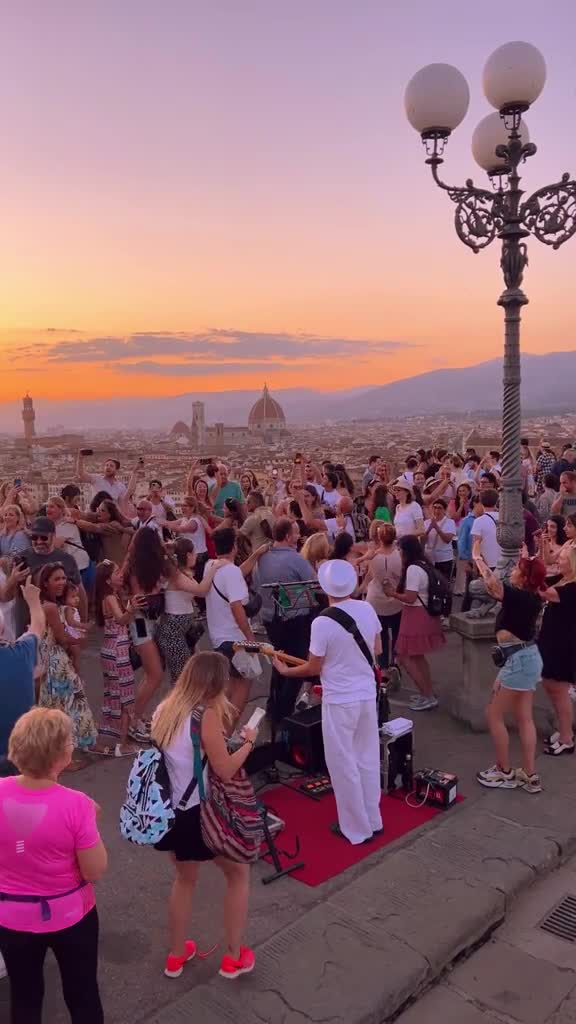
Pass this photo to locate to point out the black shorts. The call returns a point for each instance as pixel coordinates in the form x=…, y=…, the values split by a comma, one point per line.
x=184, y=839
x=227, y=649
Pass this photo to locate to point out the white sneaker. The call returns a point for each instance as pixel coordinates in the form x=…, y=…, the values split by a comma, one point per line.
x=423, y=704
x=495, y=778
x=3, y=971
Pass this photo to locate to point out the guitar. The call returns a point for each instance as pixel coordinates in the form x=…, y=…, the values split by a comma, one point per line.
x=268, y=652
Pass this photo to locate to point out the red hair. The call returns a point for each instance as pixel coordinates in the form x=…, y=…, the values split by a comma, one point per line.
x=534, y=572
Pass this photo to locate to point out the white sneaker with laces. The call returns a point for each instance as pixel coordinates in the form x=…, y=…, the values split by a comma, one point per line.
x=495, y=778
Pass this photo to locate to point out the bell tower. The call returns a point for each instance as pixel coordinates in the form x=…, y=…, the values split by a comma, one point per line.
x=28, y=417
x=198, y=425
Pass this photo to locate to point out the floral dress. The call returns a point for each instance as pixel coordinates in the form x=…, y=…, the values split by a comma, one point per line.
x=62, y=688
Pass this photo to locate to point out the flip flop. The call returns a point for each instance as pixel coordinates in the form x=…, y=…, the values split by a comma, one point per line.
x=104, y=752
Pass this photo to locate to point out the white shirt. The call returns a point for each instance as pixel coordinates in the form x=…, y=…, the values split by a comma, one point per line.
x=197, y=536
x=330, y=498
x=71, y=532
x=333, y=529
x=406, y=518
x=346, y=675
x=437, y=549
x=222, y=625
x=485, y=528
x=179, y=756
x=317, y=487
x=115, y=488
x=149, y=524
x=417, y=581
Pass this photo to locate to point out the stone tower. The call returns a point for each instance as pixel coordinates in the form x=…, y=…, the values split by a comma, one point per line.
x=28, y=416
x=198, y=425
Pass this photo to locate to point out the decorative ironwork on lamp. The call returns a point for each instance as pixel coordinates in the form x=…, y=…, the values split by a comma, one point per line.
x=436, y=102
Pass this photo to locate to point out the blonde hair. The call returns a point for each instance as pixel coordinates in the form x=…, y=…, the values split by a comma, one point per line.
x=202, y=681
x=38, y=741
x=59, y=502
x=19, y=513
x=316, y=549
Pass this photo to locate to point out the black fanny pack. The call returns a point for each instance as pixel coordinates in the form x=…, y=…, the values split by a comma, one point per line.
x=44, y=901
x=501, y=653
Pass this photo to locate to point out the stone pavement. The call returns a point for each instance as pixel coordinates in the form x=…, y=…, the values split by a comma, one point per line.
x=523, y=974
x=355, y=949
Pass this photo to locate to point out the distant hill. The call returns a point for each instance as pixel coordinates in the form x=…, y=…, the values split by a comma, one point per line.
x=547, y=384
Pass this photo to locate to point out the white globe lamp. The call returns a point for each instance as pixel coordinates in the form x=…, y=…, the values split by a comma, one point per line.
x=490, y=133
x=436, y=100
x=514, y=76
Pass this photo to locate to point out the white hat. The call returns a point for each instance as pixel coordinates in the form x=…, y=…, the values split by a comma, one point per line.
x=337, y=578
x=403, y=484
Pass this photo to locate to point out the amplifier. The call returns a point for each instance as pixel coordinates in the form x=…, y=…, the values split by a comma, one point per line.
x=440, y=789
x=301, y=741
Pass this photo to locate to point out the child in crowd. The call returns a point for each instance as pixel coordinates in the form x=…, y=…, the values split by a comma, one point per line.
x=118, y=697
x=75, y=628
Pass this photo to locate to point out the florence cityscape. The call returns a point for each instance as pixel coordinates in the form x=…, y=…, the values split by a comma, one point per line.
x=287, y=513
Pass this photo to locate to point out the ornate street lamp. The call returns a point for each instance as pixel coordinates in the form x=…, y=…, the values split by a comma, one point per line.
x=436, y=102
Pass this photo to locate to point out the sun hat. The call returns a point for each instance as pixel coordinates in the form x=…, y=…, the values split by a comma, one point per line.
x=404, y=484
x=338, y=578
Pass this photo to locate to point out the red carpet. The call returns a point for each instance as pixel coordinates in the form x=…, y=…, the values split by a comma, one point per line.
x=324, y=854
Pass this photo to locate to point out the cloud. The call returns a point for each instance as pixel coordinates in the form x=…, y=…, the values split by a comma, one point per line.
x=208, y=351
x=197, y=369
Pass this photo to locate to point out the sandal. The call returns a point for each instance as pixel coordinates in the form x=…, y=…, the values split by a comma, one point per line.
x=119, y=752
x=103, y=751
x=558, y=748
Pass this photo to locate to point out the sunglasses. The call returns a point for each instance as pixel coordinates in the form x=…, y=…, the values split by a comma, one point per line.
x=41, y=536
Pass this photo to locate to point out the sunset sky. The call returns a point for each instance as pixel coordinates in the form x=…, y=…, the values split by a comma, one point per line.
x=206, y=194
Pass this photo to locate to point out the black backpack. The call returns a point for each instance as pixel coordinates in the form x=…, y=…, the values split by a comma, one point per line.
x=439, y=594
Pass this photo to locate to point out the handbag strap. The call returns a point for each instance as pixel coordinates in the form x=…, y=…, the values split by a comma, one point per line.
x=348, y=623
x=199, y=761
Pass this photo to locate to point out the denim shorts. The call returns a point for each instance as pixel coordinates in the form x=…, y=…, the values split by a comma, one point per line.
x=143, y=632
x=523, y=670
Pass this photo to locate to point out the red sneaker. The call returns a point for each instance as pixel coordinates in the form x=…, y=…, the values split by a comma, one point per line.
x=231, y=968
x=175, y=964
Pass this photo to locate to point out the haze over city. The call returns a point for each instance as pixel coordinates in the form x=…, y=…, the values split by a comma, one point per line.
x=206, y=197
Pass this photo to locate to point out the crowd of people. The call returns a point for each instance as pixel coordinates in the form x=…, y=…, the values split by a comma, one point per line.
x=342, y=576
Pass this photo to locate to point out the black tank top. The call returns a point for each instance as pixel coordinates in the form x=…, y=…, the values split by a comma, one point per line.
x=519, y=612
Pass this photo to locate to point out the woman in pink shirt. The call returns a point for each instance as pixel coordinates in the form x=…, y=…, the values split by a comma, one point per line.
x=50, y=854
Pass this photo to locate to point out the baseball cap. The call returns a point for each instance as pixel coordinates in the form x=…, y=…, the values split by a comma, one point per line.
x=42, y=525
x=338, y=578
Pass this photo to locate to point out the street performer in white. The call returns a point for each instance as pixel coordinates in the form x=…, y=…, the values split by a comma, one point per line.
x=344, y=643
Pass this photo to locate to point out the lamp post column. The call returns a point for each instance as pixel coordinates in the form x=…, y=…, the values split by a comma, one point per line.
x=513, y=261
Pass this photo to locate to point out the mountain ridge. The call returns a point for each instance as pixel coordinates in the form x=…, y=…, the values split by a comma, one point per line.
x=547, y=384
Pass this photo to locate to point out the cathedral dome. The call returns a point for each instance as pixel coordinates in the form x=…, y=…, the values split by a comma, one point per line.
x=180, y=429
x=266, y=413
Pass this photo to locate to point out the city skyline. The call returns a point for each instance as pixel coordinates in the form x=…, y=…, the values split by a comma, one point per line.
x=206, y=198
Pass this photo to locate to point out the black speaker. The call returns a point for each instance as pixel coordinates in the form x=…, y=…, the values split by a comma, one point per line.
x=301, y=742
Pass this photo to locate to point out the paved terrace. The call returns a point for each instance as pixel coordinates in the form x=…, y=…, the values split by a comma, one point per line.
x=356, y=949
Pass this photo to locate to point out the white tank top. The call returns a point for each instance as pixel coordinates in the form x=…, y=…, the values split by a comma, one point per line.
x=179, y=758
x=179, y=602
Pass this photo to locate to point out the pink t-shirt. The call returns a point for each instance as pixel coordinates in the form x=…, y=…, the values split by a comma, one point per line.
x=40, y=831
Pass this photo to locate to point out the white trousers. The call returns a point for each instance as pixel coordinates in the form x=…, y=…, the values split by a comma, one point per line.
x=352, y=751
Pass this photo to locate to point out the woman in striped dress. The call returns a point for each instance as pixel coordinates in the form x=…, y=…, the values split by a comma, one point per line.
x=118, y=699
